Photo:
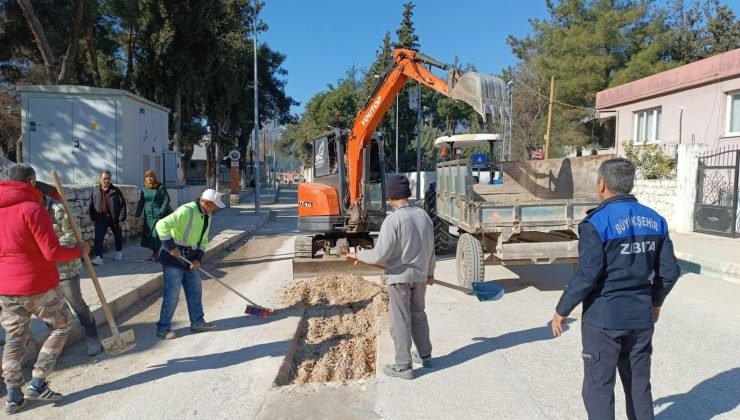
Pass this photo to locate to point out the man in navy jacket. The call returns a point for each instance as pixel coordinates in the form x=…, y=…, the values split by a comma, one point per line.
x=626, y=268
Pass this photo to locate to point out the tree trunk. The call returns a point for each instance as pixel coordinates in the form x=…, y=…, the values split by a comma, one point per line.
x=176, y=135
x=38, y=34
x=93, y=53
x=19, y=149
x=210, y=179
x=74, y=39
x=129, y=58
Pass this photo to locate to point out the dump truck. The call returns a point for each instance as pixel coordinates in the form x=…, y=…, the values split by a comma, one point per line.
x=508, y=212
x=346, y=200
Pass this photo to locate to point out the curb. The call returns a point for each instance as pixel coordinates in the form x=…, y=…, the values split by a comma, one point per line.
x=123, y=301
x=723, y=270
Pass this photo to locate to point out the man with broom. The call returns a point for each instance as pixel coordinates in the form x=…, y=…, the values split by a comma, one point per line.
x=405, y=247
x=184, y=233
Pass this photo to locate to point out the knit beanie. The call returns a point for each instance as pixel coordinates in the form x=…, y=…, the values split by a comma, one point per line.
x=397, y=187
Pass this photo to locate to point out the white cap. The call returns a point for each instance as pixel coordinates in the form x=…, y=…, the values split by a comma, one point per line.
x=213, y=196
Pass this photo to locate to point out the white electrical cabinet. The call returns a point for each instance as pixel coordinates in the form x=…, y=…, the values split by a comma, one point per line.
x=80, y=131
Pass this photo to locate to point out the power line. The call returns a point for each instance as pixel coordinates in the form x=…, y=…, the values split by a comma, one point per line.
x=592, y=110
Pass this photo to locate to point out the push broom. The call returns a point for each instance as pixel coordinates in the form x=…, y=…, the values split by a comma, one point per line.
x=251, y=309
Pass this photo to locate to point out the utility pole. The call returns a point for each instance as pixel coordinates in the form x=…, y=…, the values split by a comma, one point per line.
x=511, y=119
x=256, y=137
x=549, y=118
x=418, y=143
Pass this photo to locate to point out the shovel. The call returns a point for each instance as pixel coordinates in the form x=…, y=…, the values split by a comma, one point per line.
x=118, y=342
x=482, y=291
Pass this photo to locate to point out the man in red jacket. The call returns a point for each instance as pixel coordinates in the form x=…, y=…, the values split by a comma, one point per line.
x=29, y=249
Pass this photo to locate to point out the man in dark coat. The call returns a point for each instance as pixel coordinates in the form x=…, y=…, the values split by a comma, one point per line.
x=107, y=210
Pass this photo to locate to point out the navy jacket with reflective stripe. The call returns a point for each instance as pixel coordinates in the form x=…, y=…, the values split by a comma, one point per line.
x=626, y=266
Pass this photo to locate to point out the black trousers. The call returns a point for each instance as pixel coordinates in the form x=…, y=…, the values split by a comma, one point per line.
x=101, y=228
x=604, y=353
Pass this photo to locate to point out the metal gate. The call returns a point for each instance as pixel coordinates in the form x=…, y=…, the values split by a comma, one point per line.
x=716, y=209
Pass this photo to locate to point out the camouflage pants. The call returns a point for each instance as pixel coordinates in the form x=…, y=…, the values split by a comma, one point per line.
x=16, y=320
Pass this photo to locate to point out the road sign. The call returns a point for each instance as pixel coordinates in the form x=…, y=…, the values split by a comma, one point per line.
x=480, y=161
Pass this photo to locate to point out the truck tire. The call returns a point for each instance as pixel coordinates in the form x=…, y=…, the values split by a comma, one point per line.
x=303, y=247
x=469, y=259
x=441, y=228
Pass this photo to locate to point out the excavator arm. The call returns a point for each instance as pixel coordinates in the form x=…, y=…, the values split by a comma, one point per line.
x=409, y=64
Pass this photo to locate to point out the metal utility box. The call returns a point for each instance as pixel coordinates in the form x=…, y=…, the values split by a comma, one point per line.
x=80, y=131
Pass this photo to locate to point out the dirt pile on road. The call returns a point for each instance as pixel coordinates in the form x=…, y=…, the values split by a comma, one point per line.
x=337, y=337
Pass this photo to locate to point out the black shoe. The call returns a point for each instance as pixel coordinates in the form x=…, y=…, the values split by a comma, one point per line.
x=44, y=393
x=206, y=326
x=166, y=335
x=12, y=407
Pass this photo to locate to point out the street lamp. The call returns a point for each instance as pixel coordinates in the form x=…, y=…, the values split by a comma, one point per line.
x=256, y=128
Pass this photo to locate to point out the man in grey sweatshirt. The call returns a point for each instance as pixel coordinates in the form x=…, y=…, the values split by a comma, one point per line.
x=405, y=247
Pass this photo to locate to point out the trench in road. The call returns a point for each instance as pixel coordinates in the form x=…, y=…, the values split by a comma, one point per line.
x=337, y=336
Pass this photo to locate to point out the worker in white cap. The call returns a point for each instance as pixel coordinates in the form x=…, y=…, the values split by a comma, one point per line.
x=184, y=233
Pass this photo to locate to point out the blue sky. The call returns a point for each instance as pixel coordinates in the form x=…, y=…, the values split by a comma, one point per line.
x=322, y=39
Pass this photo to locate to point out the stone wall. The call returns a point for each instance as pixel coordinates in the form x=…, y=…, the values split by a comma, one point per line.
x=658, y=194
x=79, y=198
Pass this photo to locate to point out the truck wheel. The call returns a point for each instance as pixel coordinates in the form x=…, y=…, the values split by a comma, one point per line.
x=303, y=247
x=441, y=228
x=470, y=266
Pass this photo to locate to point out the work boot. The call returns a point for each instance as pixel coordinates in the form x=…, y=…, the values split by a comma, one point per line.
x=93, y=346
x=206, y=326
x=13, y=407
x=119, y=256
x=98, y=260
x=166, y=335
x=42, y=393
x=393, y=371
x=423, y=361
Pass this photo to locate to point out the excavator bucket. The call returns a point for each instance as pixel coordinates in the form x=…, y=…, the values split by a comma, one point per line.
x=315, y=267
x=487, y=94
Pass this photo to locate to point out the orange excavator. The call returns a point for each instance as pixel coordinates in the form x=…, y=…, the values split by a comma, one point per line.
x=346, y=200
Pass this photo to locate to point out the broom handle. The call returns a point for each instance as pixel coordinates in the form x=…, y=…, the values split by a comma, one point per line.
x=222, y=283
x=78, y=236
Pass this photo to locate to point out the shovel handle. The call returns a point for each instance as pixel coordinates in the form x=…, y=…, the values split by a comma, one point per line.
x=78, y=236
x=451, y=286
x=221, y=283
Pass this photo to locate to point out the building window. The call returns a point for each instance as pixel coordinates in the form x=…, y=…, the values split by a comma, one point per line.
x=733, y=113
x=647, y=125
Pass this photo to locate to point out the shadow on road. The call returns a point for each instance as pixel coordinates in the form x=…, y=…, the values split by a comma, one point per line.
x=485, y=345
x=182, y=365
x=708, y=399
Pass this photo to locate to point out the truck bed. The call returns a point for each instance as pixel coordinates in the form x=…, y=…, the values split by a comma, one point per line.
x=544, y=196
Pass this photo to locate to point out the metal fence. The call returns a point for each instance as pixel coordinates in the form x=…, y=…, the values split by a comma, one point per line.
x=716, y=207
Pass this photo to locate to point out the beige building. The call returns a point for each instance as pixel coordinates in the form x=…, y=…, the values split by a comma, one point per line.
x=698, y=103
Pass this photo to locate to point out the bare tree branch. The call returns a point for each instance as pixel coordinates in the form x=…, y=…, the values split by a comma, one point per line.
x=38, y=34
x=69, y=56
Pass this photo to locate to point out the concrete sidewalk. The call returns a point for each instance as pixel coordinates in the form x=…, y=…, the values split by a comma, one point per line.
x=126, y=282
x=714, y=256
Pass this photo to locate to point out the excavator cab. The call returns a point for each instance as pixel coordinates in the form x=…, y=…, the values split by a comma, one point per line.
x=323, y=204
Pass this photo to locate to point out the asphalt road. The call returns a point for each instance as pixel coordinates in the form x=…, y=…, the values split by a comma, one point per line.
x=494, y=360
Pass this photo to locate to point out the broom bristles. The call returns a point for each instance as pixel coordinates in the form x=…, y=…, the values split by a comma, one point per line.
x=255, y=311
